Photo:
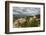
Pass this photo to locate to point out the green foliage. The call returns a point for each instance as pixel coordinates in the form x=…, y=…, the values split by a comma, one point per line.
x=33, y=23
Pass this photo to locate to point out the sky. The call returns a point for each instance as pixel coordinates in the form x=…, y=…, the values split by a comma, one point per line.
x=27, y=11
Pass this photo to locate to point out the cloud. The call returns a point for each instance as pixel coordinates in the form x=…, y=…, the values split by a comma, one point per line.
x=29, y=11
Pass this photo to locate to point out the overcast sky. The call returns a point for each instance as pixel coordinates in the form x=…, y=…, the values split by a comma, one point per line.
x=29, y=11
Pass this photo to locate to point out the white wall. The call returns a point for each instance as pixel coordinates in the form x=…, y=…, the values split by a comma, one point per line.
x=2, y=18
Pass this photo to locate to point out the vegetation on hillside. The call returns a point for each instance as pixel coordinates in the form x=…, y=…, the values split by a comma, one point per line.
x=26, y=21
